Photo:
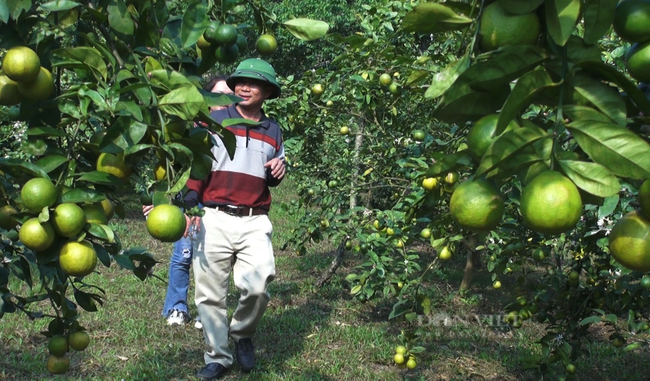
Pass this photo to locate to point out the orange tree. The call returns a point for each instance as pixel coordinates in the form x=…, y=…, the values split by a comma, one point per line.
x=90, y=91
x=563, y=148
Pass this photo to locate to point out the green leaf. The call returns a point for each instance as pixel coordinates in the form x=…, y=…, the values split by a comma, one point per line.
x=216, y=99
x=89, y=57
x=98, y=231
x=611, y=74
x=306, y=29
x=26, y=167
x=591, y=177
x=45, y=131
x=616, y=148
x=434, y=18
x=598, y=18
x=82, y=195
x=184, y=102
x=169, y=79
x=604, y=97
x=98, y=177
x=84, y=300
x=522, y=95
x=590, y=320
x=58, y=5
x=195, y=21
x=520, y=7
x=575, y=112
x=450, y=162
x=503, y=66
x=561, y=18
x=124, y=133
x=4, y=17
x=508, y=145
x=119, y=18
x=443, y=80
x=239, y=122
x=51, y=162
x=102, y=254
x=461, y=104
x=16, y=7
x=579, y=51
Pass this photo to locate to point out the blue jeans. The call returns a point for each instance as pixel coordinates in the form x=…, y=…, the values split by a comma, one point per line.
x=179, y=276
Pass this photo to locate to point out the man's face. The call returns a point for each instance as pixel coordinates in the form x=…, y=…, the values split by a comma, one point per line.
x=222, y=88
x=252, y=91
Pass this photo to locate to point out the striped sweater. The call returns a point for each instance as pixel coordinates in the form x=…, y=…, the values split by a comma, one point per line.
x=242, y=181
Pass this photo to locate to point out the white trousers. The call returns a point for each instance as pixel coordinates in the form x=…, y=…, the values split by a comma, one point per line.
x=243, y=245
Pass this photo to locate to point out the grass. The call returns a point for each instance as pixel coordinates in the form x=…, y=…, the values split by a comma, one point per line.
x=307, y=333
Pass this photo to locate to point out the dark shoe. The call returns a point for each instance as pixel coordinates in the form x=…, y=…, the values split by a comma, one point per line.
x=212, y=371
x=245, y=354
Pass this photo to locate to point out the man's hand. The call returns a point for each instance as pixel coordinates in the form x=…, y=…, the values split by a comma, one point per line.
x=277, y=168
x=146, y=209
x=192, y=225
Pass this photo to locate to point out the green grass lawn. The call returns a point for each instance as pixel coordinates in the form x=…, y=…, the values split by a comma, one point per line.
x=308, y=333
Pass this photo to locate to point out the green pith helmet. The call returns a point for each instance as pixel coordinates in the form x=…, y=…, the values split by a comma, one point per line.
x=257, y=69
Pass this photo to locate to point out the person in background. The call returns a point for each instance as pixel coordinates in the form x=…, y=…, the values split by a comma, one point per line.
x=235, y=232
x=175, y=309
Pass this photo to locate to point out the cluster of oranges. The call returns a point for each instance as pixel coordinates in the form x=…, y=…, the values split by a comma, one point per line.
x=227, y=43
x=59, y=345
x=23, y=77
x=403, y=358
x=632, y=23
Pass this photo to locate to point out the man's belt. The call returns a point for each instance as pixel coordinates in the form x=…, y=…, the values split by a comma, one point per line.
x=241, y=211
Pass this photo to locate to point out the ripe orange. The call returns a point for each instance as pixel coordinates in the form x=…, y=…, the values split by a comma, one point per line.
x=411, y=364
x=632, y=20
x=551, y=203
x=429, y=183
x=78, y=258
x=317, y=89
x=481, y=135
x=58, y=345
x=114, y=164
x=21, y=64
x=500, y=28
x=108, y=208
x=644, y=198
x=266, y=45
x=344, y=130
x=398, y=358
x=95, y=214
x=425, y=233
x=36, y=235
x=68, y=219
x=445, y=253
x=166, y=223
x=638, y=61
x=400, y=349
x=496, y=285
x=629, y=242
x=40, y=88
x=385, y=79
x=476, y=205
x=79, y=340
x=37, y=194
x=58, y=365
x=6, y=220
x=226, y=35
x=9, y=94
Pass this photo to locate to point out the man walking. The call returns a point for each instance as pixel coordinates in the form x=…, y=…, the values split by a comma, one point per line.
x=235, y=231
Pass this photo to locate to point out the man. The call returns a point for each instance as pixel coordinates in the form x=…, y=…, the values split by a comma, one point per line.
x=175, y=309
x=235, y=231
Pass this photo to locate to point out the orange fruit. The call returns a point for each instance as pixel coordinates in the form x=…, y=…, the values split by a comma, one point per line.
x=344, y=130
x=78, y=258
x=385, y=79
x=95, y=214
x=500, y=28
x=398, y=358
x=226, y=35
x=79, y=340
x=317, y=89
x=644, y=198
x=481, y=135
x=445, y=253
x=266, y=45
x=21, y=64
x=40, y=88
x=551, y=203
x=6, y=220
x=227, y=54
x=58, y=345
x=241, y=43
x=58, y=365
x=114, y=164
x=210, y=33
x=638, y=61
x=429, y=183
x=632, y=20
x=166, y=223
x=37, y=194
x=476, y=205
x=108, y=208
x=9, y=94
x=35, y=235
x=629, y=241
x=68, y=219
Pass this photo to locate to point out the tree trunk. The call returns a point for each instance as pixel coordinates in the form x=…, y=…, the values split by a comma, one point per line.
x=358, y=141
x=336, y=262
x=473, y=263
